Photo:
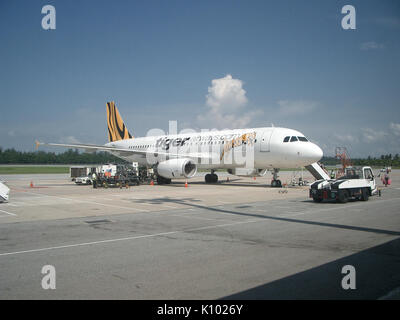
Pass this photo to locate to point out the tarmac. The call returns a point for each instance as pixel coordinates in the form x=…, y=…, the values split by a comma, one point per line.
x=238, y=239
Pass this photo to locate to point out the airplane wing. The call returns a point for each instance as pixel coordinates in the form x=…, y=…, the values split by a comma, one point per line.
x=126, y=152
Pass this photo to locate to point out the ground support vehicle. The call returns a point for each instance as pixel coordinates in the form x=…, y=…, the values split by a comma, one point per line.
x=357, y=183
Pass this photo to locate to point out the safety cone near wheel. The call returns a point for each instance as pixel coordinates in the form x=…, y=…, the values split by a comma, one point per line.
x=152, y=182
x=31, y=185
x=186, y=184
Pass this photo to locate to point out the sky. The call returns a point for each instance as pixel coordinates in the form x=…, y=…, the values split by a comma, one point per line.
x=205, y=64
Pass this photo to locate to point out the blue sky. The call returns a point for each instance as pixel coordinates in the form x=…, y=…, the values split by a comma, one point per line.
x=157, y=59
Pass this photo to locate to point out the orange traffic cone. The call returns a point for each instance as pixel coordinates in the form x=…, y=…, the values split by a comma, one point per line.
x=186, y=184
x=31, y=185
x=254, y=178
x=152, y=182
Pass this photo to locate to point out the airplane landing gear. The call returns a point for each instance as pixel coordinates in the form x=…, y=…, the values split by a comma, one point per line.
x=211, y=177
x=162, y=180
x=275, y=183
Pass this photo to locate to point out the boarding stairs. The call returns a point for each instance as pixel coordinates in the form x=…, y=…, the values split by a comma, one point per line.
x=317, y=171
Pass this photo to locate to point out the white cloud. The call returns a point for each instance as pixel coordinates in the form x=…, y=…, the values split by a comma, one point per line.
x=11, y=133
x=296, y=107
x=226, y=101
x=369, y=135
x=69, y=139
x=346, y=138
x=226, y=94
x=395, y=127
x=371, y=45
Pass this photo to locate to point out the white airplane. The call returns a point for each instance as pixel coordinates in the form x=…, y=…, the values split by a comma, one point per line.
x=243, y=152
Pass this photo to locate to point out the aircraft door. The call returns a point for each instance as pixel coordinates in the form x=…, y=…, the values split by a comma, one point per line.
x=369, y=176
x=265, y=140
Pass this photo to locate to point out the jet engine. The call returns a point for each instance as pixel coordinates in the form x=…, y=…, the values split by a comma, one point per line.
x=248, y=172
x=177, y=168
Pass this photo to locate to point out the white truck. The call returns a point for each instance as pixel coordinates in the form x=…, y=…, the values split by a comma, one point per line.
x=84, y=180
x=358, y=183
x=81, y=171
x=87, y=172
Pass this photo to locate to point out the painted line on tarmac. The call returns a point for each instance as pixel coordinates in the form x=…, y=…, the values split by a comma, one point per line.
x=292, y=214
x=128, y=238
x=9, y=213
x=91, y=202
x=129, y=194
x=167, y=206
x=192, y=216
x=343, y=207
x=223, y=202
x=12, y=204
x=157, y=204
x=142, y=203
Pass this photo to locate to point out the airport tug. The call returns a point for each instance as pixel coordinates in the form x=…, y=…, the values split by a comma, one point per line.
x=358, y=183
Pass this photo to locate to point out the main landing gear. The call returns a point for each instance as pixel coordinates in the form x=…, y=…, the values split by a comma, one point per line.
x=211, y=177
x=275, y=183
x=162, y=180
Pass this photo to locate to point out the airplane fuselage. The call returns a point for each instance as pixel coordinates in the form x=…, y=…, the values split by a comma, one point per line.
x=269, y=147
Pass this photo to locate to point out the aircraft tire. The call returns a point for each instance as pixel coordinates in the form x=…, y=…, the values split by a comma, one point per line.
x=214, y=178
x=276, y=184
x=162, y=180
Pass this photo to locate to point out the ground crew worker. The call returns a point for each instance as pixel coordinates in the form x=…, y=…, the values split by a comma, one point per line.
x=94, y=180
x=386, y=178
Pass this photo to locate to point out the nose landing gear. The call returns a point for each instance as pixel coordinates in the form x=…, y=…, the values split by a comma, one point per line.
x=275, y=183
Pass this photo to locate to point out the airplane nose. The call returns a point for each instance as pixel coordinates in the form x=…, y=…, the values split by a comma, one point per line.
x=312, y=153
x=317, y=153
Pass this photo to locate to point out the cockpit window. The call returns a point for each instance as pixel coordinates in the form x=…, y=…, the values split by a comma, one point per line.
x=302, y=139
x=286, y=139
x=293, y=139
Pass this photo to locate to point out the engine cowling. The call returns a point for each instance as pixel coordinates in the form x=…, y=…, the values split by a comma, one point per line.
x=248, y=172
x=177, y=168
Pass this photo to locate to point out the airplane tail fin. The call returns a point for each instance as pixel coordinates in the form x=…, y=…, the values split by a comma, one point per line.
x=116, y=127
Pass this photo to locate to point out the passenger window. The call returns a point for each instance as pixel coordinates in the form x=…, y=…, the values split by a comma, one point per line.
x=293, y=139
x=286, y=139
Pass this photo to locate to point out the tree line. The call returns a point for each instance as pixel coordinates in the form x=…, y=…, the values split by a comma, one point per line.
x=382, y=161
x=11, y=156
